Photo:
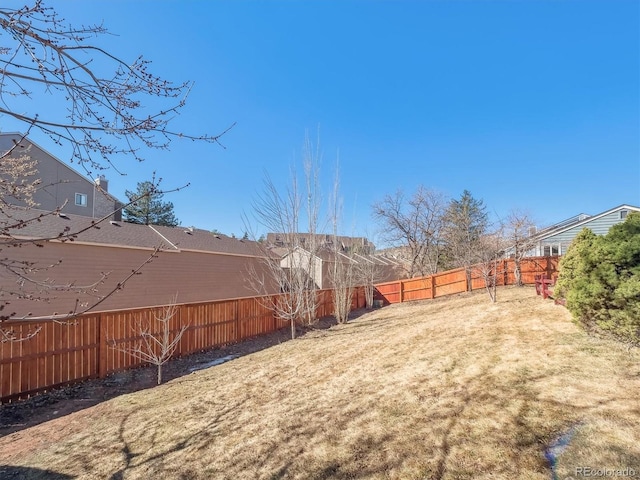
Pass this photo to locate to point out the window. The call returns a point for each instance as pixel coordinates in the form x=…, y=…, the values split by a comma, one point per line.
x=551, y=250
x=623, y=214
x=81, y=199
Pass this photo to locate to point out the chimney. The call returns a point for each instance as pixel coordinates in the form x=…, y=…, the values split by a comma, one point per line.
x=103, y=183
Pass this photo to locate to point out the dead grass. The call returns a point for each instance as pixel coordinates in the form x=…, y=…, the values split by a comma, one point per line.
x=453, y=388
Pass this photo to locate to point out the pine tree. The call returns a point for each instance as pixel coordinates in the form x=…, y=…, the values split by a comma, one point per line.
x=148, y=208
x=466, y=221
x=600, y=279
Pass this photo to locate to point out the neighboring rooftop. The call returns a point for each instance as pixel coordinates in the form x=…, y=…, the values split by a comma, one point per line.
x=40, y=224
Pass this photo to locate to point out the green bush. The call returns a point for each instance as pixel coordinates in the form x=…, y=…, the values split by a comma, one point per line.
x=600, y=279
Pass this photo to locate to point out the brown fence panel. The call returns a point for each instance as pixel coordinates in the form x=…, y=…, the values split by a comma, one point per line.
x=455, y=281
x=324, y=303
x=538, y=265
x=255, y=318
x=416, y=289
x=357, y=298
x=388, y=292
x=209, y=325
x=450, y=283
x=60, y=353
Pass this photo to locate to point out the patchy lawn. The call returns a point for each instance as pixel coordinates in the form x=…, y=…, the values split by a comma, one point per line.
x=451, y=388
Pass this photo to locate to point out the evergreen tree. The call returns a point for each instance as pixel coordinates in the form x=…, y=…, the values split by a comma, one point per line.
x=600, y=279
x=466, y=221
x=148, y=207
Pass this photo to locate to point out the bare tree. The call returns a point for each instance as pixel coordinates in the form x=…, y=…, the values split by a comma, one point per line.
x=156, y=342
x=103, y=114
x=416, y=224
x=488, y=264
x=519, y=231
x=293, y=266
x=343, y=273
x=343, y=280
x=367, y=273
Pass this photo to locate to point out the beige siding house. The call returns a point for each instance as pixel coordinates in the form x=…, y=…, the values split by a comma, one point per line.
x=60, y=185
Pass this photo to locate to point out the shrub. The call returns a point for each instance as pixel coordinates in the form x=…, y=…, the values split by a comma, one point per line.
x=600, y=279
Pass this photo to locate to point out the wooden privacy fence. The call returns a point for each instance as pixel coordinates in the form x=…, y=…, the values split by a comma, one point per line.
x=461, y=280
x=67, y=352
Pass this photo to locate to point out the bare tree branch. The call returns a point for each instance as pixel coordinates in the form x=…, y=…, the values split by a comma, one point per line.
x=104, y=115
x=415, y=224
x=293, y=264
x=155, y=345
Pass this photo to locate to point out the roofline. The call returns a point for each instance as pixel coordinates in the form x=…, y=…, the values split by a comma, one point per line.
x=228, y=254
x=163, y=237
x=587, y=220
x=44, y=150
x=136, y=247
x=86, y=243
x=364, y=258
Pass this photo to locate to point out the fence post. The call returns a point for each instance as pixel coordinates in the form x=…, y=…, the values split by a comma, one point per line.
x=505, y=272
x=433, y=286
x=273, y=317
x=102, y=347
x=237, y=319
x=401, y=292
x=181, y=349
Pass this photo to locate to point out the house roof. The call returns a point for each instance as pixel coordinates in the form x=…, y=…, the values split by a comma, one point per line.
x=198, y=240
x=41, y=224
x=321, y=239
x=578, y=221
x=46, y=225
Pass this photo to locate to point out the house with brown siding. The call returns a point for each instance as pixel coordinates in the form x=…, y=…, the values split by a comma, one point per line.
x=71, y=272
x=61, y=187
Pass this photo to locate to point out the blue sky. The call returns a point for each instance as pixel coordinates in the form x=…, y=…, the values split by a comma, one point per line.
x=528, y=104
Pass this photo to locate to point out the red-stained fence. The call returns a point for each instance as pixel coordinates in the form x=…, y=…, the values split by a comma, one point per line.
x=461, y=280
x=62, y=353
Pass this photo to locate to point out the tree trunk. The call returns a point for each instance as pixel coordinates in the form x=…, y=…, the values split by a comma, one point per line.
x=368, y=294
x=159, y=374
x=517, y=273
x=293, y=329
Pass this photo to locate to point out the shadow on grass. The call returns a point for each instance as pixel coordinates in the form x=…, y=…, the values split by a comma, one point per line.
x=139, y=459
x=56, y=403
x=9, y=471
x=46, y=406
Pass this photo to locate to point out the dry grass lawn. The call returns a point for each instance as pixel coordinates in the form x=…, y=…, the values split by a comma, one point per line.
x=453, y=388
